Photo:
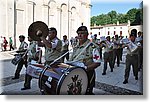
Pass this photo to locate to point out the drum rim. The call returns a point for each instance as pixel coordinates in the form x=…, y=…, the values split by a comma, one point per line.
x=62, y=79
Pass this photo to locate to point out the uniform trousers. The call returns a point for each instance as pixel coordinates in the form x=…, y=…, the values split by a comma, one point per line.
x=91, y=81
x=116, y=54
x=108, y=57
x=131, y=60
x=66, y=56
x=19, y=68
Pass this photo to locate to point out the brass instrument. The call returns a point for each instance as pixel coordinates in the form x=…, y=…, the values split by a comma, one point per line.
x=104, y=42
x=38, y=29
x=132, y=47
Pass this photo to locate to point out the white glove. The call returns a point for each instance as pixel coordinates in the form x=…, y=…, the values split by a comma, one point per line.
x=85, y=67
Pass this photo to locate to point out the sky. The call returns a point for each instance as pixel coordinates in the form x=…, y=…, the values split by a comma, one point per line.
x=120, y=6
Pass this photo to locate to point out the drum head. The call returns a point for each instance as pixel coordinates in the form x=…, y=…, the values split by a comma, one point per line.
x=75, y=83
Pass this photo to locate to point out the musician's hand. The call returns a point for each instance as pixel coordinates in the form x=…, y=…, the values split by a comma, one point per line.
x=39, y=33
x=39, y=61
x=85, y=67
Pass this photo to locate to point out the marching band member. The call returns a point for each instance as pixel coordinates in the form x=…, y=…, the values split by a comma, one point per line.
x=131, y=58
x=116, y=51
x=22, y=49
x=90, y=56
x=108, y=54
x=121, y=48
x=34, y=53
x=52, y=46
x=65, y=48
x=96, y=41
x=139, y=40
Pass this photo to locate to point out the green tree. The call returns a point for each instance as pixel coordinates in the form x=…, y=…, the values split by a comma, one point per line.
x=131, y=15
x=113, y=16
x=134, y=15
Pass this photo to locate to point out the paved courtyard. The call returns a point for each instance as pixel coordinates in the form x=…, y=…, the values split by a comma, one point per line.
x=109, y=84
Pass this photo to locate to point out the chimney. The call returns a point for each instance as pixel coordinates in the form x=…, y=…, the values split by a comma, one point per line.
x=129, y=23
x=117, y=22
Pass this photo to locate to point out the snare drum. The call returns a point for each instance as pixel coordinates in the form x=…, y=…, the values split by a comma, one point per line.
x=17, y=59
x=34, y=70
x=64, y=81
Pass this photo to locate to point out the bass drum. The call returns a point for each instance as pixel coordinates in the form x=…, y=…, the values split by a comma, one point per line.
x=64, y=81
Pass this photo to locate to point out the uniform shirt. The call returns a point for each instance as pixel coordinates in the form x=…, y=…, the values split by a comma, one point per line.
x=87, y=57
x=116, y=44
x=96, y=41
x=138, y=39
x=65, y=45
x=23, y=46
x=53, y=53
x=32, y=49
x=108, y=46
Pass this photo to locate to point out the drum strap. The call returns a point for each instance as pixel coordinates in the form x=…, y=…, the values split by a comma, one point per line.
x=82, y=51
x=89, y=44
x=91, y=78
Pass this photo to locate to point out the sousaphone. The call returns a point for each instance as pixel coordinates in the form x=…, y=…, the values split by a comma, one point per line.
x=35, y=28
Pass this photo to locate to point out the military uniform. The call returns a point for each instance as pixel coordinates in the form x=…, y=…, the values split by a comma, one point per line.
x=87, y=58
x=65, y=49
x=96, y=41
x=131, y=59
x=22, y=48
x=108, y=57
x=53, y=53
x=116, y=52
x=32, y=51
x=140, y=62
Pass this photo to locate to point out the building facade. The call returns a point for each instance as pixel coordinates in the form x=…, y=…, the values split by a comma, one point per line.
x=65, y=15
x=114, y=29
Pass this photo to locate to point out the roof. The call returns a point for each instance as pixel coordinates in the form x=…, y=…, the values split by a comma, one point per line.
x=108, y=25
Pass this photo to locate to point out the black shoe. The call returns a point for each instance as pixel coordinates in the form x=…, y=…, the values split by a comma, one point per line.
x=136, y=78
x=125, y=81
x=25, y=88
x=118, y=65
x=15, y=78
x=103, y=73
x=111, y=70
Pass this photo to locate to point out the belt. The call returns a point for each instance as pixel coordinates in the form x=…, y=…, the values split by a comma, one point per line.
x=132, y=54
